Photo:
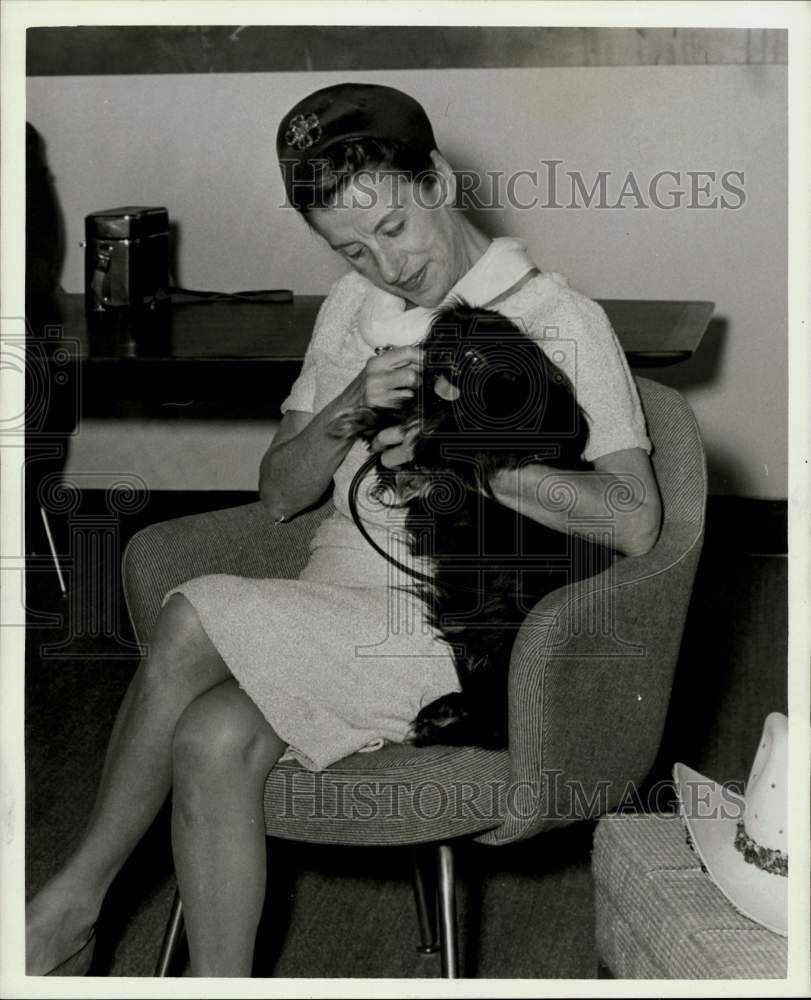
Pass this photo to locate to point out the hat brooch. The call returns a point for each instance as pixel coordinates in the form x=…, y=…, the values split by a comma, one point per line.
x=302, y=131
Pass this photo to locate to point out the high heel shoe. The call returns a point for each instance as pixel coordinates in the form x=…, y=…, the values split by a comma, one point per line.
x=79, y=962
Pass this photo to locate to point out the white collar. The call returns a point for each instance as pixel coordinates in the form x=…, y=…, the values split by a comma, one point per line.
x=385, y=321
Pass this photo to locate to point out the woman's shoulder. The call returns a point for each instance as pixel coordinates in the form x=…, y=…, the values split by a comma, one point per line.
x=548, y=300
x=551, y=290
x=346, y=294
x=340, y=308
x=574, y=331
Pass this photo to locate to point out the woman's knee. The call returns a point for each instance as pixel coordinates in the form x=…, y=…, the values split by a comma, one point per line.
x=178, y=622
x=223, y=733
x=179, y=648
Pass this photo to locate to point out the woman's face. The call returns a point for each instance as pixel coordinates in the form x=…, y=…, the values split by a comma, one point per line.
x=397, y=235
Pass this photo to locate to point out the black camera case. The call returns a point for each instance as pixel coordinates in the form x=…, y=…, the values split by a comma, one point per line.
x=126, y=259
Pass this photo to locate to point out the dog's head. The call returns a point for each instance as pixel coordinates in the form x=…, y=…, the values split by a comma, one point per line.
x=489, y=390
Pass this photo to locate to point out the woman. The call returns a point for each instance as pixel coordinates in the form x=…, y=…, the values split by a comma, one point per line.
x=241, y=672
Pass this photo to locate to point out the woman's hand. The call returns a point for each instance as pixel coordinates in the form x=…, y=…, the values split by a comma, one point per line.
x=391, y=377
x=396, y=444
x=620, y=493
x=298, y=467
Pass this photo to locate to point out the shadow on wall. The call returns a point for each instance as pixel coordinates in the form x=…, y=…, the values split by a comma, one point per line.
x=703, y=367
x=725, y=469
x=45, y=233
x=175, y=240
x=51, y=380
x=726, y=475
x=732, y=666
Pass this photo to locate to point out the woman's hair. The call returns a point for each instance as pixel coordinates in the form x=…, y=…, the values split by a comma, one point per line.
x=318, y=183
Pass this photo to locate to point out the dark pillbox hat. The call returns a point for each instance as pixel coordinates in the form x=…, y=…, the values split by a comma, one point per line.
x=349, y=111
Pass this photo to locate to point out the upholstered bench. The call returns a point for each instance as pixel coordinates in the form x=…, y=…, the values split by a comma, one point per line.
x=659, y=916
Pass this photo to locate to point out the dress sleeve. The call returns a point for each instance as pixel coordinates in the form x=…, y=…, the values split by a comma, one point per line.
x=606, y=389
x=330, y=323
x=575, y=332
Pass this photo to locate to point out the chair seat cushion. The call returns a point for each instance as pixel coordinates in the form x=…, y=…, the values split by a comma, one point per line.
x=400, y=794
x=660, y=916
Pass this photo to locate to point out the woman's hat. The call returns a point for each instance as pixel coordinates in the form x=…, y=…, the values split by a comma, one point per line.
x=742, y=840
x=349, y=111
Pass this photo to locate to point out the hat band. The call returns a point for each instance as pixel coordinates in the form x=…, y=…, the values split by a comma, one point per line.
x=767, y=859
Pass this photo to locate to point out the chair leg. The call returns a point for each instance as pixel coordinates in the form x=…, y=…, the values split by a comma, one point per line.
x=52, y=547
x=423, y=872
x=448, y=927
x=171, y=938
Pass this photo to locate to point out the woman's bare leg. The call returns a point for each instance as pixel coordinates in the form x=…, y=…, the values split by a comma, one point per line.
x=223, y=750
x=182, y=664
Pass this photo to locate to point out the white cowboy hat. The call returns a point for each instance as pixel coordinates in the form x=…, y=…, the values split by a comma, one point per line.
x=742, y=840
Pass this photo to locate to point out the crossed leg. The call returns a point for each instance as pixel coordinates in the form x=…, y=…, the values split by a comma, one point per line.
x=144, y=748
x=222, y=752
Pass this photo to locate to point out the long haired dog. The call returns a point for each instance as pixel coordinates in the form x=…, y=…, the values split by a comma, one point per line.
x=490, y=399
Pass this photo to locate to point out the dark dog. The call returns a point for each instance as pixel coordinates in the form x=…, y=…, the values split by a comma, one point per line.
x=490, y=399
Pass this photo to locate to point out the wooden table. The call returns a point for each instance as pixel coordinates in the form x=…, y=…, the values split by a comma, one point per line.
x=241, y=358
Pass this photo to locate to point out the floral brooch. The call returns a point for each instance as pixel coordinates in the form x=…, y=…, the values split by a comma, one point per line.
x=302, y=131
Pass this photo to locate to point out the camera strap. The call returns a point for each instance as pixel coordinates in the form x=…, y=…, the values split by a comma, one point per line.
x=100, y=281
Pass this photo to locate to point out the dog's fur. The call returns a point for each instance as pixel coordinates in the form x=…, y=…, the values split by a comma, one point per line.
x=490, y=565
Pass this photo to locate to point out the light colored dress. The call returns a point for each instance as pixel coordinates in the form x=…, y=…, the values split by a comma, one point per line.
x=342, y=659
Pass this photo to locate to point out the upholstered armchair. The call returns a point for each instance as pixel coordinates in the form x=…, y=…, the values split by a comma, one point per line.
x=589, y=684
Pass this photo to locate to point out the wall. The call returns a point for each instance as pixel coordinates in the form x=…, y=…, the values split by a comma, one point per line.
x=203, y=145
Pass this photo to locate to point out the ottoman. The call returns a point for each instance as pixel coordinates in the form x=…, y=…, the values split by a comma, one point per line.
x=659, y=916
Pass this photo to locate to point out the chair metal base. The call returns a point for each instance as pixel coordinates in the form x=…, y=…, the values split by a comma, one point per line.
x=448, y=926
x=434, y=884
x=423, y=870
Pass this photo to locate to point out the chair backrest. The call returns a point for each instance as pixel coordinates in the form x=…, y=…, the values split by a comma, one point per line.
x=593, y=666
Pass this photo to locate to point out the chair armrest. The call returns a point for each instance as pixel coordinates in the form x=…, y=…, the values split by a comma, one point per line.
x=593, y=664
x=590, y=679
x=242, y=541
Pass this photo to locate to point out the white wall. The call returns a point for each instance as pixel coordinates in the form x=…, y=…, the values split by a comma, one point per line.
x=203, y=146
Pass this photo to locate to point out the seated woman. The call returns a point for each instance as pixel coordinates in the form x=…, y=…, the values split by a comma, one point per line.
x=240, y=671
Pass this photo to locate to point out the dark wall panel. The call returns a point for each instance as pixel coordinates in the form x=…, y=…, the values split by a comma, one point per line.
x=88, y=50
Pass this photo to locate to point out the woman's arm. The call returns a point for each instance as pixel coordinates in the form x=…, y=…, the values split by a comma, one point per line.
x=297, y=468
x=299, y=465
x=620, y=496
